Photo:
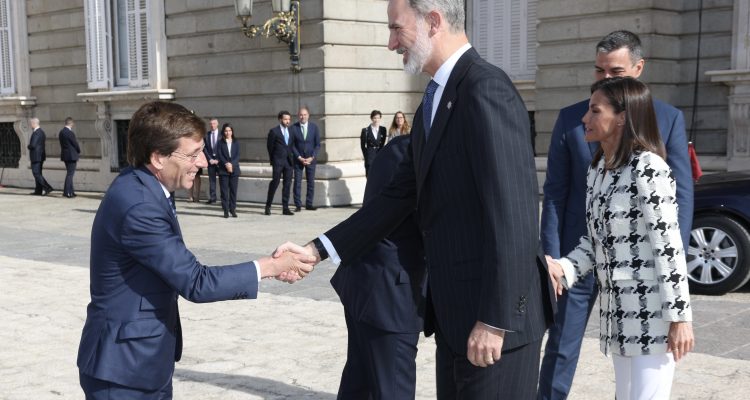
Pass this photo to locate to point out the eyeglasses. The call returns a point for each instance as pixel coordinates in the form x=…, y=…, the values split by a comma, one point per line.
x=192, y=157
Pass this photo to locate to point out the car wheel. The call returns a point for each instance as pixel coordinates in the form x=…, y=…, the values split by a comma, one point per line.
x=718, y=257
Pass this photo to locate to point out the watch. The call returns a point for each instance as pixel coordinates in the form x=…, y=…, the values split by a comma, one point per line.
x=321, y=249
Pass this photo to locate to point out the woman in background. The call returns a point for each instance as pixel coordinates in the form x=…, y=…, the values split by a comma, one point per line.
x=229, y=170
x=399, y=126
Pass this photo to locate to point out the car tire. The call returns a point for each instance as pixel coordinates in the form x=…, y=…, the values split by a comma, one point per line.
x=718, y=256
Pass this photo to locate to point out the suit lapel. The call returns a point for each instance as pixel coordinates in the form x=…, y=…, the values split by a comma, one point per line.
x=447, y=104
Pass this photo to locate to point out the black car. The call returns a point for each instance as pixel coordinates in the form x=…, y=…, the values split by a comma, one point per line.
x=718, y=257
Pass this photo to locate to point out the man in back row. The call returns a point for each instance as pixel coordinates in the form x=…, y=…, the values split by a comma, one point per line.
x=305, y=147
x=564, y=215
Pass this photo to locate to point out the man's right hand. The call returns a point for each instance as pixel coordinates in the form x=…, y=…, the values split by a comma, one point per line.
x=307, y=250
x=291, y=266
x=213, y=162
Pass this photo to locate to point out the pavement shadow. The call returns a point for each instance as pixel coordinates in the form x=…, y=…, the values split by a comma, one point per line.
x=264, y=388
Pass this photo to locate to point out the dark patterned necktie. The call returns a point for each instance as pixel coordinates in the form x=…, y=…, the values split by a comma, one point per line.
x=429, y=93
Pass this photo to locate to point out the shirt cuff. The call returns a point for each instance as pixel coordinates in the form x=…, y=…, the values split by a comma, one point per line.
x=495, y=328
x=332, y=254
x=570, y=272
x=257, y=270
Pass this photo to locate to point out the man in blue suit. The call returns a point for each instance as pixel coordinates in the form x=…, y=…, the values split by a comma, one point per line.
x=279, y=145
x=139, y=263
x=383, y=293
x=69, y=153
x=211, y=150
x=305, y=146
x=563, y=215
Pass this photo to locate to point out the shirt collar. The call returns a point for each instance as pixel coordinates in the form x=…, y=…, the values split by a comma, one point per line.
x=444, y=72
x=164, y=188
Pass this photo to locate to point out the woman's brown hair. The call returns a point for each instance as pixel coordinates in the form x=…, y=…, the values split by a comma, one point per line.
x=640, y=131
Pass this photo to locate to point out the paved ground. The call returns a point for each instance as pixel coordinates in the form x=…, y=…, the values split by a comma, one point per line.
x=288, y=344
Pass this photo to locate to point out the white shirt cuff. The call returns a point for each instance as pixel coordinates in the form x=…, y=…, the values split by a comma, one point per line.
x=332, y=254
x=257, y=270
x=569, y=270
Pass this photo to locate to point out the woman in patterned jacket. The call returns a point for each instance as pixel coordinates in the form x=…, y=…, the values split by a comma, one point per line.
x=633, y=243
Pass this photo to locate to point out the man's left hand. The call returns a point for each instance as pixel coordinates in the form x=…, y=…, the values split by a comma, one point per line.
x=484, y=345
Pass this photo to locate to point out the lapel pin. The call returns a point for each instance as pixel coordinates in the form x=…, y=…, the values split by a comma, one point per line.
x=450, y=104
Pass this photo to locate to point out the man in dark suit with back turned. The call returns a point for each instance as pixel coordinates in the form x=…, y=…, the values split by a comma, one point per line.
x=470, y=175
x=37, y=156
x=564, y=210
x=69, y=153
x=139, y=263
x=211, y=150
x=306, y=144
x=281, y=156
x=383, y=297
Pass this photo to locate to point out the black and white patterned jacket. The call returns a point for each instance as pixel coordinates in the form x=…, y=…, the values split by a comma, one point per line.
x=634, y=247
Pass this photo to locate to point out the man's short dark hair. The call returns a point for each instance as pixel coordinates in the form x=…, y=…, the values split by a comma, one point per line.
x=619, y=39
x=157, y=127
x=68, y=121
x=283, y=113
x=374, y=113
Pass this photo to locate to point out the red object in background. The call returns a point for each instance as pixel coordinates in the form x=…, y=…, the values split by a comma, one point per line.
x=695, y=166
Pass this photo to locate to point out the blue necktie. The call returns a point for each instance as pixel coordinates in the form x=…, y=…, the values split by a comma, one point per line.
x=429, y=93
x=286, y=136
x=172, y=205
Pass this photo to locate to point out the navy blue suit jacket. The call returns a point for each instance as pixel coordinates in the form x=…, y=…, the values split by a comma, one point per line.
x=474, y=186
x=37, y=151
x=139, y=265
x=302, y=147
x=568, y=160
x=208, y=149
x=385, y=288
x=279, y=153
x=226, y=157
x=69, y=149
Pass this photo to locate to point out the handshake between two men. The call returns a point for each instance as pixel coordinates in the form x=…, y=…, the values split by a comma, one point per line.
x=289, y=262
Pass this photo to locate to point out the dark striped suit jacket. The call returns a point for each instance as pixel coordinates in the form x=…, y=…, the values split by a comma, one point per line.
x=474, y=186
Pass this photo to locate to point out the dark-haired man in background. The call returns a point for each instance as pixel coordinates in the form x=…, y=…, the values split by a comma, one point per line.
x=281, y=156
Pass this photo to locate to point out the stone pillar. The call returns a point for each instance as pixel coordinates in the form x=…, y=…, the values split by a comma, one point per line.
x=738, y=80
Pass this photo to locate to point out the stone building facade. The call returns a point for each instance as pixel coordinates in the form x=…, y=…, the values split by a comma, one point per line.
x=98, y=60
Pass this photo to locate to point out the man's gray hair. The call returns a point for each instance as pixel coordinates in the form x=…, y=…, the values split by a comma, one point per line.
x=619, y=39
x=452, y=10
x=34, y=120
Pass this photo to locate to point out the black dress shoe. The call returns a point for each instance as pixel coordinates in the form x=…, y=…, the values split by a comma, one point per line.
x=211, y=202
x=234, y=214
x=35, y=194
x=311, y=208
x=268, y=211
x=47, y=191
x=288, y=212
x=68, y=195
x=226, y=214
x=297, y=209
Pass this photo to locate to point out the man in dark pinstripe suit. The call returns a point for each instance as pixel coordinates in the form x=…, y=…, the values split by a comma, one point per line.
x=470, y=175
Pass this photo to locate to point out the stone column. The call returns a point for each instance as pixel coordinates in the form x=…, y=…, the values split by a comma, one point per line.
x=738, y=79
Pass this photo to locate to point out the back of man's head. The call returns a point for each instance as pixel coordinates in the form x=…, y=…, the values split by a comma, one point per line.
x=619, y=39
x=69, y=121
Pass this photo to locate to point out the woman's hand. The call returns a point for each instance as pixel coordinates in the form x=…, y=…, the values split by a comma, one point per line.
x=556, y=274
x=680, y=340
x=228, y=167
